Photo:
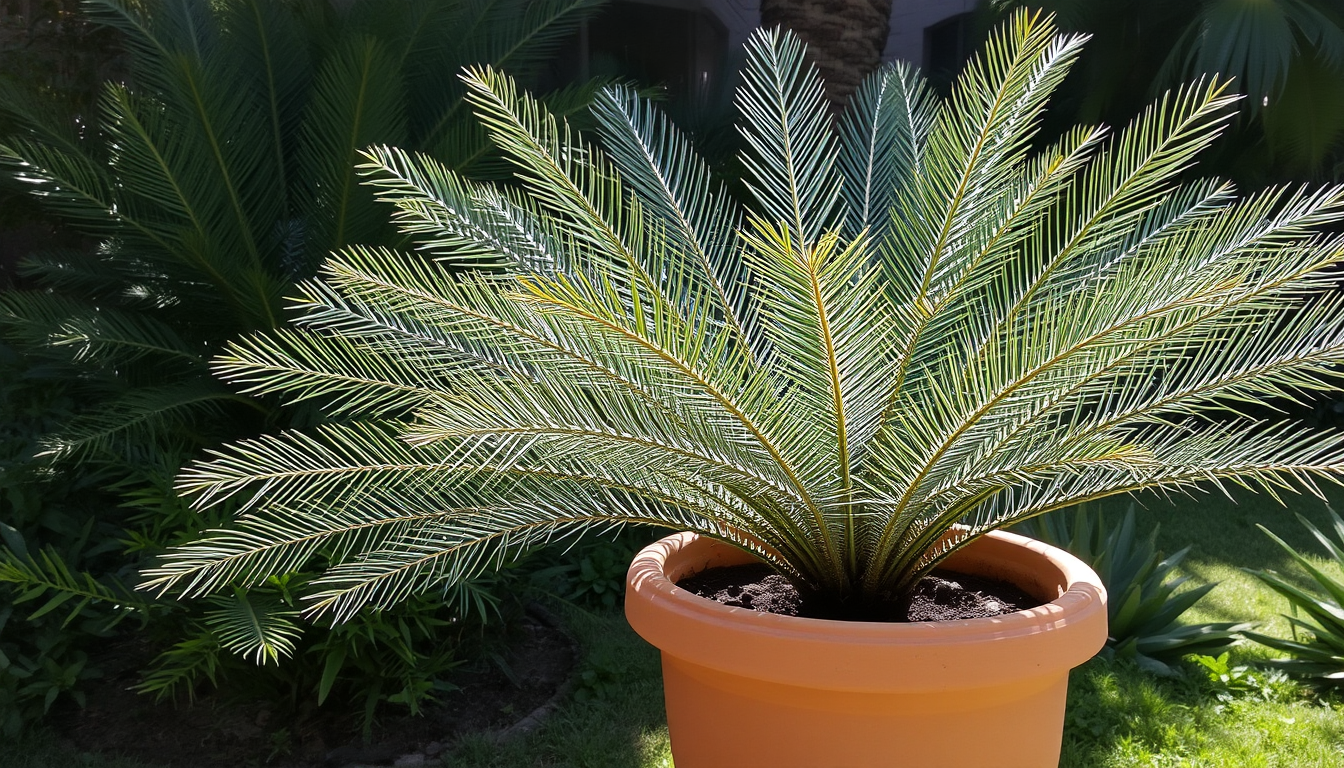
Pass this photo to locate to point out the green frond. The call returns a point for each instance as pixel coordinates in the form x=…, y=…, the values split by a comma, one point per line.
x=346, y=376
x=661, y=168
x=79, y=273
x=513, y=35
x=974, y=147
x=40, y=118
x=480, y=538
x=791, y=162
x=882, y=143
x=261, y=629
x=276, y=58
x=191, y=216
x=456, y=221
x=359, y=509
x=48, y=583
x=1257, y=42
x=356, y=100
x=140, y=414
x=72, y=184
x=85, y=334
x=571, y=180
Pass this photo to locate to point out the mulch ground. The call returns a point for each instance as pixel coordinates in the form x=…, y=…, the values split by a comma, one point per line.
x=214, y=733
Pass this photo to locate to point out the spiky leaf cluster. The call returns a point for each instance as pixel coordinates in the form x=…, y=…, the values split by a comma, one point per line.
x=1145, y=598
x=917, y=329
x=1315, y=652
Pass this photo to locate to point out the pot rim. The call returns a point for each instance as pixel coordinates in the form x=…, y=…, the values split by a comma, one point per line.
x=870, y=656
x=646, y=572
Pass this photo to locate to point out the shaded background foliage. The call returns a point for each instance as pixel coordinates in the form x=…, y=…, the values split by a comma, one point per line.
x=184, y=164
x=1287, y=57
x=60, y=53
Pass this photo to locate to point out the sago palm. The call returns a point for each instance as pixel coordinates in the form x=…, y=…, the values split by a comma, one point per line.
x=222, y=172
x=916, y=330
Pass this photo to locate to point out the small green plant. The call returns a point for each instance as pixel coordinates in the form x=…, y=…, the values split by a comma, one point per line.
x=49, y=616
x=1316, y=650
x=1146, y=601
x=598, y=679
x=589, y=573
x=601, y=576
x=38, y=664
x=1242, y=682
x=914, y=331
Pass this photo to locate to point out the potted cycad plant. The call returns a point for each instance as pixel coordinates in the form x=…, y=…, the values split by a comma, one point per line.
x=916, y=330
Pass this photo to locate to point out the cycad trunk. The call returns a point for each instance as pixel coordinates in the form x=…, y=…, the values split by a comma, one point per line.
x=844, y=37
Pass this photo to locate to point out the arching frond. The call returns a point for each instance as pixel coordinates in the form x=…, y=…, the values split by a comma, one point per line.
x=84, y=334
x=257, y=628
x=661, y=168
x=882, y=142
x=356, y=100
x=456, y=221
x=137, y=415
x=791, y=165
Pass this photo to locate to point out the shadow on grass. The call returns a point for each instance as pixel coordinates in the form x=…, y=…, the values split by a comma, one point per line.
x=615, y=719
x=1222, y=528
x=1231, y=607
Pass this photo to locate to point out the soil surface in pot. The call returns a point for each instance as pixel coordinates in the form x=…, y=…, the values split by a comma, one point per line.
x=943, y=596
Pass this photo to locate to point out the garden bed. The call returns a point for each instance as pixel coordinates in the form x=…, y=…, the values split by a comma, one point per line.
x=214, y=732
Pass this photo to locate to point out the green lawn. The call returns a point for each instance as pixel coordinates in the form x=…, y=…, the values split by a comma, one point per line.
x=1118, y=716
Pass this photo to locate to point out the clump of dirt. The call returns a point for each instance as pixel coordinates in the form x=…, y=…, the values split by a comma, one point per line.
x=213, y=732
x=942, y=596
x=755, y=586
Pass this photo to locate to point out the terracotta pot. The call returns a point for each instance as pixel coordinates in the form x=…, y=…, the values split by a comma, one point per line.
x=745, y=688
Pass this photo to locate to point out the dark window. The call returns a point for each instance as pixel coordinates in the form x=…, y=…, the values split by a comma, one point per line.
x=947, y=46
x=679, y=49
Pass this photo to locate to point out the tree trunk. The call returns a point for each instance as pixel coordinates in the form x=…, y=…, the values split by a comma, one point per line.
x=844, y=37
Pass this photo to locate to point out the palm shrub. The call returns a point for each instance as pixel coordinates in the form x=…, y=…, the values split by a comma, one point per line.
x=217, y=173
x=1144, y=606
x=1316, y=650
x=221, y=172
x=915, y=330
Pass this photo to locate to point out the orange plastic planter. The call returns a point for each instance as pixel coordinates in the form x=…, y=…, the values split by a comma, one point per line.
x=747, y=689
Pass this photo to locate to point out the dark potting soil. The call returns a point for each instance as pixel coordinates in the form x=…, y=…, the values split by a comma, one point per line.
x=943, y=596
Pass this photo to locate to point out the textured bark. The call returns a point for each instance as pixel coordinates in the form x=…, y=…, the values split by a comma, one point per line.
x=844, y=37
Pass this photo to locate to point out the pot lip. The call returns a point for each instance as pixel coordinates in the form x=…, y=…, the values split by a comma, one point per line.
x=1084, y=595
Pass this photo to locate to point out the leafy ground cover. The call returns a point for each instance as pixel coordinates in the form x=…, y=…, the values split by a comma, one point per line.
x=1118, y=715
